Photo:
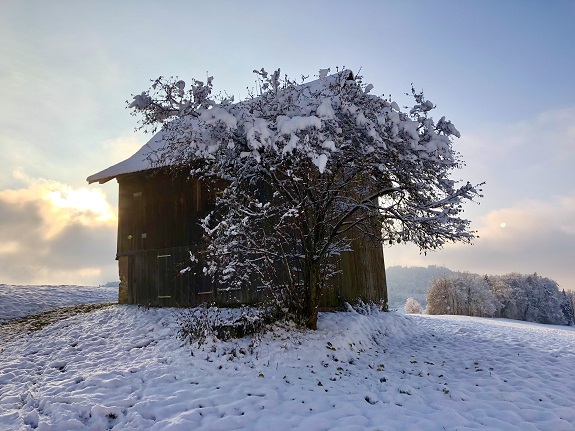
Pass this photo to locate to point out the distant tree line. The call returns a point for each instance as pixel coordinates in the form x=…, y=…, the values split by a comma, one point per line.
x=530, y=298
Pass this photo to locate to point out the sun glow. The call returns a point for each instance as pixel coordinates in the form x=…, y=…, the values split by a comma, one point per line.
x=9, y=247
x=82, y=200
x=66, y=205
x=60, y=205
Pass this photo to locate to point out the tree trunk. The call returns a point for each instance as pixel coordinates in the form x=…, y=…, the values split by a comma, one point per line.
x=313, y=292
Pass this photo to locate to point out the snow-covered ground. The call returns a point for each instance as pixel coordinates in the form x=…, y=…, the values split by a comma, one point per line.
x=123, y=368
x=20, y=301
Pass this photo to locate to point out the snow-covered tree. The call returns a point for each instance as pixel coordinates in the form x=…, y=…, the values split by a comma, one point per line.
x=547, y=301
x=504, y=294
x=462, y=294
x=412, y=306
x=514, y=296
x=474, y=296
x=306, y=169
x=441, y=296
x=528, y=297
x=568, y=306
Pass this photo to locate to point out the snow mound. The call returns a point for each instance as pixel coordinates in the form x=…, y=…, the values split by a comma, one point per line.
x=20, y=301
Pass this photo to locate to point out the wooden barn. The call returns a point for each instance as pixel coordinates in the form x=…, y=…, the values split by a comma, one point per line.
x=158, y=214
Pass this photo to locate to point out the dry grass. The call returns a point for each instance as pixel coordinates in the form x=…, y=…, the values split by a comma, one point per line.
x=28, y=324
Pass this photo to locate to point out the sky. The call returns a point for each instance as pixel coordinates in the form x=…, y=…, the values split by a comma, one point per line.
x=502, y=72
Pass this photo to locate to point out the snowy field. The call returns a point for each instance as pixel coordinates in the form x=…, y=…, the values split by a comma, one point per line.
x=20, y=301
x=123, y=368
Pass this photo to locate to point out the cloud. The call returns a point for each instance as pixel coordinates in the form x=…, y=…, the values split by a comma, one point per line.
x=538, y=236
x=527, y=159
x=556, y=130
x=530, y=220
x=62, y=98
x=55, y=234
x=549, y=133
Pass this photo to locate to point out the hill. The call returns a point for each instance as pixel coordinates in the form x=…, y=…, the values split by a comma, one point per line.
x=406, y=281
x=19, y=301
x=124, y=368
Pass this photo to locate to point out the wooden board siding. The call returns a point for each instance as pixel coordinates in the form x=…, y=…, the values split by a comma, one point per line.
x=123, y=270
x=158, y=211
x=362, y=277
x=158, y=226
x=156, y=278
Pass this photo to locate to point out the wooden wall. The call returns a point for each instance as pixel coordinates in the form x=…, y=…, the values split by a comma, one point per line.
x=158, y=227
x=158, y=211
x=362, y=276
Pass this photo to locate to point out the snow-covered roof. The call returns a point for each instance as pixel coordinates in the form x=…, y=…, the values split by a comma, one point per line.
x=138, y=162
